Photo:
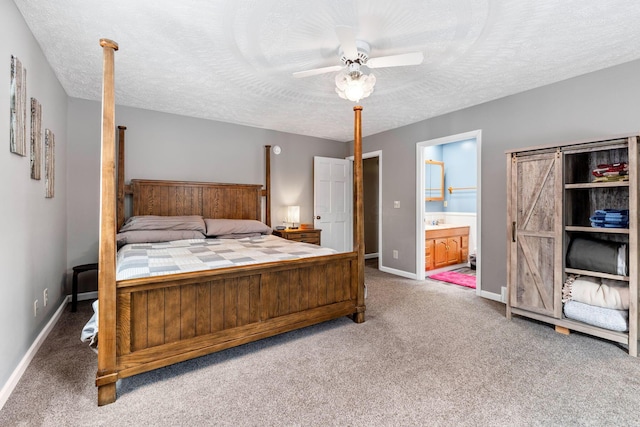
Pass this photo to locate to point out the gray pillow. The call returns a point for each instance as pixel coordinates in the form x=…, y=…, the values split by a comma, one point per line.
x=238, y=235
x=153, y=236
x=224, y=227
x=156, y=222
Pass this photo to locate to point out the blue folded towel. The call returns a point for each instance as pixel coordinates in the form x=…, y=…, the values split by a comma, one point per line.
x=612, y=211
x=610, y=218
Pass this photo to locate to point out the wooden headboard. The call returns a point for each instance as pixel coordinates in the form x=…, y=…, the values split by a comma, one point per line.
x=211, y=200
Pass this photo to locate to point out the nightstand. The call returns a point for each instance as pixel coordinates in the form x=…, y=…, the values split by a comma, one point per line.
x=308, y=236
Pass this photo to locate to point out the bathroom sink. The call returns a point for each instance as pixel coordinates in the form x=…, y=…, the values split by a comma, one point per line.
x=440, y=226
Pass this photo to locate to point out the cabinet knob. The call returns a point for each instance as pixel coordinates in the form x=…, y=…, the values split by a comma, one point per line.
x=318, y=217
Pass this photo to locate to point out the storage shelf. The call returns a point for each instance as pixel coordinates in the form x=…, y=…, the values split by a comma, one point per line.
x=596, y=274
x=621, y=337
x=596, y=229
x=587, y=185
x=574, y=325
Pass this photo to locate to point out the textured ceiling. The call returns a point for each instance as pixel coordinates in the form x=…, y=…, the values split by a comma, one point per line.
x=232, y=60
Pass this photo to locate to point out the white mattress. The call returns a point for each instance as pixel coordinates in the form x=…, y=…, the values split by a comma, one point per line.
x=179, y=256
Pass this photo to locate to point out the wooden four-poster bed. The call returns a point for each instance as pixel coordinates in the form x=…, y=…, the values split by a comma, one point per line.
x=150, y=322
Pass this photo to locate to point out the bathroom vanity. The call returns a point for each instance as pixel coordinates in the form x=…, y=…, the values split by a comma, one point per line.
x=446, y=244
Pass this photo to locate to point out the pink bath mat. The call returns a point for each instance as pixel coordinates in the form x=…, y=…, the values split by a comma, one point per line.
x=456, y=278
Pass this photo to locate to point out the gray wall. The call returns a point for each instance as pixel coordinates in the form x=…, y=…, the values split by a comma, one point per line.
x=168, y=146
x=594, y=105
x=33, y=229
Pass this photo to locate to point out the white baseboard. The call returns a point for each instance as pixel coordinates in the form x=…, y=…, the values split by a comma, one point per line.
x=372, y=255
x=11, y=383
x=86, y=296
x=492, y=296
x=398, y=272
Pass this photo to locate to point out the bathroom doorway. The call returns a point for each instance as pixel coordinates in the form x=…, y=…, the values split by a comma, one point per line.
x=461, y=190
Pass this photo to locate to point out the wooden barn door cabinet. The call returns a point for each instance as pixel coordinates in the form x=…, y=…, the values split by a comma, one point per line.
x=551, y=195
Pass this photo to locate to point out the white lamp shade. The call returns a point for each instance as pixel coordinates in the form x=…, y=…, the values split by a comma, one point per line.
x=293, y=214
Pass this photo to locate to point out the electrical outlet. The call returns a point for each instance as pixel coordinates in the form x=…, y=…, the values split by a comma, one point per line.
x=396, y=204
x=45, y=297
x=395, y=254
x=35, y=308
x=445, y=203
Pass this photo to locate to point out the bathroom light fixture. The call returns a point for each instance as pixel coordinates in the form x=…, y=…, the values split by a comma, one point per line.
x=293, y=216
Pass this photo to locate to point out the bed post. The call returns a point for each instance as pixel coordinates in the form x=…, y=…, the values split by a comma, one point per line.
x=358, y=212
x=267, y=190
x=120, y=180
x=107, y=375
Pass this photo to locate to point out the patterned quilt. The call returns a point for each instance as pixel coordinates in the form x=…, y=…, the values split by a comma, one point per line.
x=179, y=256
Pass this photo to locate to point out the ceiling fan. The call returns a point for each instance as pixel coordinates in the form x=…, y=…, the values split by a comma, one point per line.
x=351, y=82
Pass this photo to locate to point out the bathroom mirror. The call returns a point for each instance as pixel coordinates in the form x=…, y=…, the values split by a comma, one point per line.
x=434, y=181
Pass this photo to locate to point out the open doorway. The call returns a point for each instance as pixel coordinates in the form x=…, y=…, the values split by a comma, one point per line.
x=372, y=189
x=454, y=188
x=371, y=202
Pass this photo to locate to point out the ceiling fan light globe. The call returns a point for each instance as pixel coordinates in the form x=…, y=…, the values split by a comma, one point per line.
x=368, y=82
x=354, y=89
x=341, y=93
x=342, y=80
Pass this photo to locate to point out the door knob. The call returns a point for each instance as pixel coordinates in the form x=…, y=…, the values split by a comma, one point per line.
x=318, y=217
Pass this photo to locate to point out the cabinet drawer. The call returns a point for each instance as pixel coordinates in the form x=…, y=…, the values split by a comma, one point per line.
x=306, y=238
x=303, y=236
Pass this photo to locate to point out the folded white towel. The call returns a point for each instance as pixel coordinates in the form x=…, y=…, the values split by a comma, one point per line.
x=606, y=293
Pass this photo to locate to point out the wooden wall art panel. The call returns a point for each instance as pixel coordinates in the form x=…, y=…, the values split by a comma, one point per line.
x=36, y=139
x=18, y=126
x=49, y=162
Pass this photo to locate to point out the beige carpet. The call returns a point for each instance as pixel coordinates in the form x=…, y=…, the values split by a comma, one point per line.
x=428, y=354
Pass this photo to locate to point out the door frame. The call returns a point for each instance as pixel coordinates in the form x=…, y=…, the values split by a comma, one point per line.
x=420, y=214
x=369, y=155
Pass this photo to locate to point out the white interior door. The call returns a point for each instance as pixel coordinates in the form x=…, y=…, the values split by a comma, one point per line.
x=332, y=202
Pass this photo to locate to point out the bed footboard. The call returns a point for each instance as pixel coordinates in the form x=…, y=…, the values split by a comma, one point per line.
x=168, y=319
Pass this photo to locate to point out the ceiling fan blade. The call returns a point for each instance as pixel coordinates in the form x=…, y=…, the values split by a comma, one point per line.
x=316, y=71
x=413, y=58
x=347, y=41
